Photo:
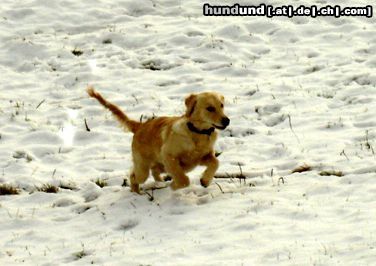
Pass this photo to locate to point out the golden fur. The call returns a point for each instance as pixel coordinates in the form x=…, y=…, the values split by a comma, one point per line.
x=174, y=145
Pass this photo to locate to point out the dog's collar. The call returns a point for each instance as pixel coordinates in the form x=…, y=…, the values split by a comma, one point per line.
x=194, y=129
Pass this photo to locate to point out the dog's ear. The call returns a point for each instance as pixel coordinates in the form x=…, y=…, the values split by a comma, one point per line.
x=190, y=103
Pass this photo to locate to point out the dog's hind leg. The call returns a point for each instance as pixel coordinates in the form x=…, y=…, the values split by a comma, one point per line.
x=135, y=187
x=139, y=174
x=156, y=171
x=179, y=178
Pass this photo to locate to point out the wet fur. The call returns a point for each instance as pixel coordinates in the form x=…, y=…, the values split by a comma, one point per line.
x=166, y=145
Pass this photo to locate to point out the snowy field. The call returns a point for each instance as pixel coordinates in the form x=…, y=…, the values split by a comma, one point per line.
x=300, y=92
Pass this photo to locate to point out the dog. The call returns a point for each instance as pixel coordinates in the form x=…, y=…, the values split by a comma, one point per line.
x=174, y=145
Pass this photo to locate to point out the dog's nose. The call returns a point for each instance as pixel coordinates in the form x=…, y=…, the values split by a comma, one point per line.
x=225, y=121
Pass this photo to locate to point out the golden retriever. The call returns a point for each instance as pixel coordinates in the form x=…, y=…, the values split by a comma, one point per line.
x=174, y=145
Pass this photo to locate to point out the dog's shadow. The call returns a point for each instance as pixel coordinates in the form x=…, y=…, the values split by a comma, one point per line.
x=195, y=194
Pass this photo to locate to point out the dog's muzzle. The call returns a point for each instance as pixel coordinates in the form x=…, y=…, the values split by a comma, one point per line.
x=225, y=122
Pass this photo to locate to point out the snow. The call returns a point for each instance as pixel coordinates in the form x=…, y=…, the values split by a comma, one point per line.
x=298, y=91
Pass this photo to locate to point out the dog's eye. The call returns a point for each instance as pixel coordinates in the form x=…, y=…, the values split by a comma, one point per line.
x=221, y=105
x=211, y=109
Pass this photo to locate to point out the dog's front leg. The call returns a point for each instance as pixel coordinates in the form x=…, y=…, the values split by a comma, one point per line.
x=211, y=163
x=172, y=166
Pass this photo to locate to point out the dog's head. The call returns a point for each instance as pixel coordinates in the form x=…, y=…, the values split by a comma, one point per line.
x=206, y=110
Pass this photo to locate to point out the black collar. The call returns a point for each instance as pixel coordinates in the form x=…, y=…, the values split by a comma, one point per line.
x=200, y=131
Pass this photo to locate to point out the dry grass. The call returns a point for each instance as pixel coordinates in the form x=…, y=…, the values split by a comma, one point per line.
x=48, y=188
x=79, y=255
x=331, y=172
x=125, y=183
x=66, y=185
x=100, y=182
x=302, y=168
x=77, y=52
x=8, y=190
x=151, y=65
x=239, y=176
x=232, y=175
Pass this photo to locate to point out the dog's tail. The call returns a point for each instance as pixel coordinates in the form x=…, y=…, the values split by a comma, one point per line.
x=123, y=119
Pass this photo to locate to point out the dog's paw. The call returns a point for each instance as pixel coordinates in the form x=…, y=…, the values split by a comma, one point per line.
x=183, y=183
x=204, y=182
x=135, y=188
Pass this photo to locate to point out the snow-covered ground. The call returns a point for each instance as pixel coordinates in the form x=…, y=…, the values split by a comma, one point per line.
x=298, y=91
